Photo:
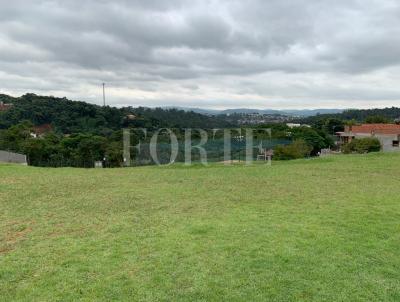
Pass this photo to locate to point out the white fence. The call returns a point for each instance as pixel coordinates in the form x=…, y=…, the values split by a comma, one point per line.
x=10, y=157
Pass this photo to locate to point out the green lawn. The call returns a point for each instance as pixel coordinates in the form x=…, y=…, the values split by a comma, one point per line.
x=309, y=230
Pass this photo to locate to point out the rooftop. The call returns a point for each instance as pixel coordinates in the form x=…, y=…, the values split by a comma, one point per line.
x=4, y=106
x=374, y=128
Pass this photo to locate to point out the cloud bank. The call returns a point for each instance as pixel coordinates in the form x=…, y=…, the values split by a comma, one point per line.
x=204, y=53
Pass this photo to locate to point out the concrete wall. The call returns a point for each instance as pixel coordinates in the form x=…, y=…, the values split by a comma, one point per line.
x=10, y=157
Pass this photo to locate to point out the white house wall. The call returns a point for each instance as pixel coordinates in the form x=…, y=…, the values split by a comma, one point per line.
x=386, y=140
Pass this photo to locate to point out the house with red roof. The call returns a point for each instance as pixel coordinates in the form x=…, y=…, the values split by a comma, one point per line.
x=387, y=134
x=40, y=131
x=5, y=106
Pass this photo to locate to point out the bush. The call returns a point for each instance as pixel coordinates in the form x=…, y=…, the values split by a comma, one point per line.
x=298, y=149
x=362, y=145
x=312, y=138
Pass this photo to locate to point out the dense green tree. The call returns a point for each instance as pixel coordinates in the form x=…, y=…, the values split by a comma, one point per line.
x=333, y=125
x=70, y=117
x=14, y=138
x=377, y=119
x=312, y=138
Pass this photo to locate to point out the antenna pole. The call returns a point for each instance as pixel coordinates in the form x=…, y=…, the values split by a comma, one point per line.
x=104, y=95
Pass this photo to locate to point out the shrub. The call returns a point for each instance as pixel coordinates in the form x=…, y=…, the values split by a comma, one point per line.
x=311, y=137
x=298, y=149
x=362, y=145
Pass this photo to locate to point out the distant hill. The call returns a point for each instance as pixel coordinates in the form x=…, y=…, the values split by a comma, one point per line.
x=288, y=112
x=359, y=115
x=249, y=110
x=312, y=112
x=68, y=116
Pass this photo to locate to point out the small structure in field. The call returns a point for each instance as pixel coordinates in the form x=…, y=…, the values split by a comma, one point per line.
x=98, y=164
x=11, y=157
x=265, y=155
x=325, y=152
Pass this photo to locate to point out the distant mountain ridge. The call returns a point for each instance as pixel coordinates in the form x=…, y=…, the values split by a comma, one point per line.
x=288, y=112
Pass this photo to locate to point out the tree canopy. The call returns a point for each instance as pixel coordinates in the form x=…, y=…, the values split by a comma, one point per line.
x=70, y=117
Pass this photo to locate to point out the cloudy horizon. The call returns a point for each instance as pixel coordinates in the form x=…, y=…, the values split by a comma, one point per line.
x=272, y=54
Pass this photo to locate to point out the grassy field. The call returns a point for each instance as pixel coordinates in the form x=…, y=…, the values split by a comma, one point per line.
x=309, y=230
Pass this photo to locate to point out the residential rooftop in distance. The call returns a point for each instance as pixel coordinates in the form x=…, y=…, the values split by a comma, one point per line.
x=4, y=106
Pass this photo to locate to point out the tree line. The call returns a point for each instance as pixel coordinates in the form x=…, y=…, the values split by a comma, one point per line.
x=69, y=117
x=83, y=133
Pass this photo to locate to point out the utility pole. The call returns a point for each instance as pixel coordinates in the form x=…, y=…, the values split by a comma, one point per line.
x=104, y=95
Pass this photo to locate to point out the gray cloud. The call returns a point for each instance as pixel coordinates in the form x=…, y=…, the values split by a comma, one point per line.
x=273, y=53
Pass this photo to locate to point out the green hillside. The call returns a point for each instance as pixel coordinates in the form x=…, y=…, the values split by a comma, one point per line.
x=375, y=115
x=66, y=116
x=307, y=230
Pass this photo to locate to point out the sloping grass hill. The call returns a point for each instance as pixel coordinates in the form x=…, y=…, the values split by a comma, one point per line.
x=309, y=230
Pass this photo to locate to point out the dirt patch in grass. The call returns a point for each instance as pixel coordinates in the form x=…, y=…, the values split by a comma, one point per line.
x=15, y=233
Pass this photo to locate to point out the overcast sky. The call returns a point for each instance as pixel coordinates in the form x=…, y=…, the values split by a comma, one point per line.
x=210, y=54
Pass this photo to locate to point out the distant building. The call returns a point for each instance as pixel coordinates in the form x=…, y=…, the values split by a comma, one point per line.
x=131, y=117
x=39, y=131
x=292, y=125
x=257, y=119
x=4, y=106
x=387, y=134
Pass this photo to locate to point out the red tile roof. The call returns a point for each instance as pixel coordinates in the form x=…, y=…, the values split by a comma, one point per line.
x=376, y=128
x=42, y=129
